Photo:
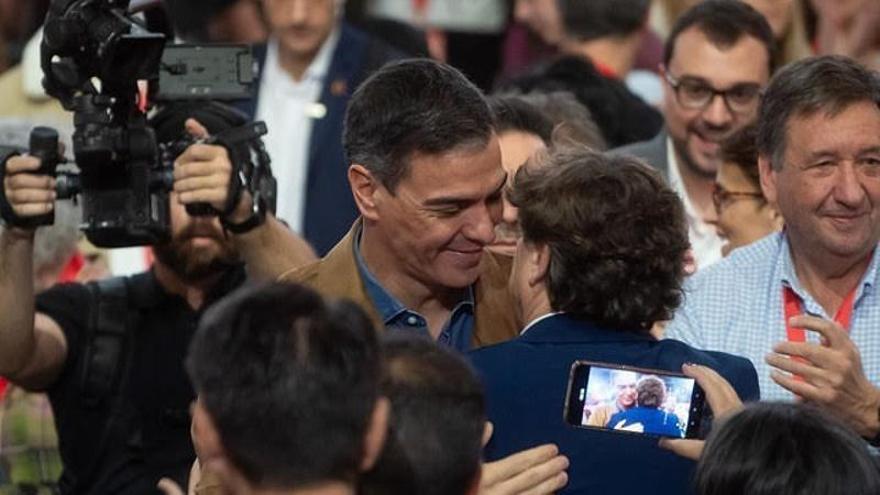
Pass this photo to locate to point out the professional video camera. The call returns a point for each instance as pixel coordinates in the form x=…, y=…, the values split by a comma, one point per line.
x=107, y=68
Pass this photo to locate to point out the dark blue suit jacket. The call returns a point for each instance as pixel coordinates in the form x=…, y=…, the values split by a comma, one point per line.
x=526, y=380
x=329, y=207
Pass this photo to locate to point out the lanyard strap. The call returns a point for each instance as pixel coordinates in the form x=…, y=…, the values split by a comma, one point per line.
x=792, y=306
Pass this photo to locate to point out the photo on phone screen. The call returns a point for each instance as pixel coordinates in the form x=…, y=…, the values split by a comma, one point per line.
x=633, y=400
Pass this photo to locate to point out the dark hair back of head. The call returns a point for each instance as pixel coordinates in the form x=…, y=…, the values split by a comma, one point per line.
x=587, y=20
x=724, y=22
x=290, y=383
x=436, y=425
x=592, y=19
x=651, y=392
x=411, y=106
x=741, y=149
x=616, y=233
x=827, y=84
x=785, y=449
x=512, y=113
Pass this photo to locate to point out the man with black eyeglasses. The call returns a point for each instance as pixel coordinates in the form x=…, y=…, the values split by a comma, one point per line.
x=718, y=58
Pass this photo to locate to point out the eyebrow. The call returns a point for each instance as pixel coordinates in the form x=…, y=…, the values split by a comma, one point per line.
x=833, y=154
x=448, y=200
x=706, y=82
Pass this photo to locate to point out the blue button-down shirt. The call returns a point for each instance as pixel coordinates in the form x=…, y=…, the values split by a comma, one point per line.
x=457, y=331
x=736, y=306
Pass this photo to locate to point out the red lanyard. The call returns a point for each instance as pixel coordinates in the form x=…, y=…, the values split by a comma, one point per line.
x=793, y=308
x=792, y=305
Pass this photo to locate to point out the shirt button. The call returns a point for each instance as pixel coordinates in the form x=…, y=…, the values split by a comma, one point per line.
x=412, y=321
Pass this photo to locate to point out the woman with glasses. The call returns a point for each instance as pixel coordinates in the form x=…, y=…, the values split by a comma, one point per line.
x=743, y=215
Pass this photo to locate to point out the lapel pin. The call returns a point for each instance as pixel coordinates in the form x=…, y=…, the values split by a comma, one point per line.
x=339, y=87
x=316, y=110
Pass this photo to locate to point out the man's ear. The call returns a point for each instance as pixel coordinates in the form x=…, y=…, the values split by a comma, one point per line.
x=539, y=263
x=364, y=188
x=211, y=453
x=488, y=429
x=377, y=431
x=768, y=179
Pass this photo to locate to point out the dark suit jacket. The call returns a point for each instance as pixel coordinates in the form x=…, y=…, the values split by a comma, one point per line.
x=526, y=382
x=653, y=152
x=329, y=206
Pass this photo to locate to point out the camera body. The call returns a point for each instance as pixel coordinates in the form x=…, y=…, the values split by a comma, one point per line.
x=109, y=70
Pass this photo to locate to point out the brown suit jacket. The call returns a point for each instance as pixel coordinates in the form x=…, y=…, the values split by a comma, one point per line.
x=337, y=275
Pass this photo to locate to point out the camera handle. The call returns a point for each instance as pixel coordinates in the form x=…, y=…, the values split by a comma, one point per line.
x=43, y=145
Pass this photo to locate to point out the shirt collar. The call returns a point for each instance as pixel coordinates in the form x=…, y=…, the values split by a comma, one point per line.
x=788, y=275
x=388, y=306
x=677, y=184
x=317, y=69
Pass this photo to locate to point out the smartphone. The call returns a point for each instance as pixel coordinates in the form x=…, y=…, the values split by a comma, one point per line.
x=636, y=401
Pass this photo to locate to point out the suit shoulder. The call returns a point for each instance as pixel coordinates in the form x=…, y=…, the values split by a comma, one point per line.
x=306, y=274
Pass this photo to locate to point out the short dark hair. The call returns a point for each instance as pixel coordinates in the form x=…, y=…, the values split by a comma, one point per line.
x=410, y=106
x=827, y=84
x=724, y=22
x=785, y=449
x=741, y=150
x=616, y=232
x=651, y=392
x=289, y=381
x=593, y=19
x=573, y=123
x=436, y=425
x=513, y=113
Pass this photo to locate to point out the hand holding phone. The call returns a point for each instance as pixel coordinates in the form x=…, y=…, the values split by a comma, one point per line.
x=633, y=400
x=722, y=399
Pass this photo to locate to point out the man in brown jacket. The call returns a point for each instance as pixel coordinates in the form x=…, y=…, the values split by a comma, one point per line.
x=425, y=172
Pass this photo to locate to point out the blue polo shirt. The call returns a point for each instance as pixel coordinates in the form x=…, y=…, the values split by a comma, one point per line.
x=457, y=331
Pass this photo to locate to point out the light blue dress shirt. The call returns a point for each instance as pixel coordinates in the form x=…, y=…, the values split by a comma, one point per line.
x=457, y=330
x=736, y=306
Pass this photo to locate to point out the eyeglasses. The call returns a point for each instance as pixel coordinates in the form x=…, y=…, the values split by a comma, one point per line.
x=695, y=94
x=722, y=197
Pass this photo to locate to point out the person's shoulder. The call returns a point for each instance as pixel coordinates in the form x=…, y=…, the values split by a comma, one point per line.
x=490, y=355
x=641, y=149
x=739, y=371
x=744, y=266
x=305, y=274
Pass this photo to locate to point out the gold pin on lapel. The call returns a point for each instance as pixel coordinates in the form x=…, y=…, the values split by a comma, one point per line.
x=339, y=87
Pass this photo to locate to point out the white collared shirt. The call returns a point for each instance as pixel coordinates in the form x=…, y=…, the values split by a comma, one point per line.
x=289, y=109
x=704, y=238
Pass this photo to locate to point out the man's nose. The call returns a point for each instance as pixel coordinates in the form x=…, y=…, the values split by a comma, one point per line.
x=716, y=113
x=848, y=188
x=480, y=227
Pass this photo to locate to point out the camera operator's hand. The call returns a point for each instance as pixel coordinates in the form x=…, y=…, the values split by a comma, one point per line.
x=722, y=399
x=28, y=193
x=202, y=174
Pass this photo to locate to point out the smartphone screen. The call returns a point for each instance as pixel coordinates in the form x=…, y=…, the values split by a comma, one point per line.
x=633, y=400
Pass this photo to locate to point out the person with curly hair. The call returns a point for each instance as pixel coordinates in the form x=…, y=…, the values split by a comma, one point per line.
x=648, y=415
x=601, y=259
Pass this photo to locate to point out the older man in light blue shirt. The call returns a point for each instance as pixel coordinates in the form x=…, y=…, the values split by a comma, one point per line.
x=819, y=158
